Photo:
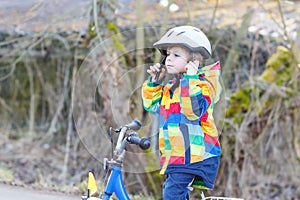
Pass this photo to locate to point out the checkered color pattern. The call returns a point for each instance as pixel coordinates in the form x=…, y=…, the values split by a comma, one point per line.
x=187, y=132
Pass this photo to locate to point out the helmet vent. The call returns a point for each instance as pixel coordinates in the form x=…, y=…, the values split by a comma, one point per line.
x=196, y=30
x=180, y=33
x=170, y=34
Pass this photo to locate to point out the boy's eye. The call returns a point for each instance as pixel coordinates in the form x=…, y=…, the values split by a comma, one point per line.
x=174, y=54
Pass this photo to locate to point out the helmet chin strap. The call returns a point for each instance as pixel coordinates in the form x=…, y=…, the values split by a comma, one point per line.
x=175, y=85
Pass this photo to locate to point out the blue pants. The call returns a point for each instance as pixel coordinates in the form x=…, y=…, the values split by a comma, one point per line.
x=175, y=186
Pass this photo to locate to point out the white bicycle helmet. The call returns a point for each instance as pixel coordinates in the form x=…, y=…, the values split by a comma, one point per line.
x=188, y=36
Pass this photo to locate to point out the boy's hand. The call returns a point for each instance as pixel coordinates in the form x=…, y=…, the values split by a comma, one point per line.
x=155, y=69
x=192, y=67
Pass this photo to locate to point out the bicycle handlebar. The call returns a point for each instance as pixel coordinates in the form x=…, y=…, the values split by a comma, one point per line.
x=144, y=143
x=133, y=125
x=133, y=137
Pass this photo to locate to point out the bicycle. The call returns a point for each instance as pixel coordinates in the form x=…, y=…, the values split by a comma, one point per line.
x=115, y=182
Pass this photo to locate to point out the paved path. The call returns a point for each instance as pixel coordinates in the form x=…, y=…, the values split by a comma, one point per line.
x=11, y=192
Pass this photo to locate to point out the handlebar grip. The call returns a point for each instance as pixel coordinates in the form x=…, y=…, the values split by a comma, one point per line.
x=144, y=143
x=134, y=125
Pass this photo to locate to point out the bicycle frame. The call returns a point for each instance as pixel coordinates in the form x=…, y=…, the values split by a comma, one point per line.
x=115, y=185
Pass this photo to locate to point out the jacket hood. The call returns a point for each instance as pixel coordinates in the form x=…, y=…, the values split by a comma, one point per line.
x=212, y=74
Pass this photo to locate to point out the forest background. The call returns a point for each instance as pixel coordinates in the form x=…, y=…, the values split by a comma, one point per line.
x=69, y=70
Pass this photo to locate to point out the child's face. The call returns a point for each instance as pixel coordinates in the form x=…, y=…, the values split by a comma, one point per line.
x=177, y=59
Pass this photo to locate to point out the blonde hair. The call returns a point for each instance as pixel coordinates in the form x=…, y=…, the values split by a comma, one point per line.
x=197, y=56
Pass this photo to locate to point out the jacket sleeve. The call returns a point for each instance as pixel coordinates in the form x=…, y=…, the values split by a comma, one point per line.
x=151, y=95
x=195, y=96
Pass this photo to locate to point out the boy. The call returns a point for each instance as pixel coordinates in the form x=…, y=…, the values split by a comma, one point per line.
x=188, y=137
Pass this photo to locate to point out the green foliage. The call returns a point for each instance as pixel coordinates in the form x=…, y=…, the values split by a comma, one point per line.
x=6, y=175
x=279, y=67
x=92, y=30
x=239, y=104
x=116, y=37
x=250, y=97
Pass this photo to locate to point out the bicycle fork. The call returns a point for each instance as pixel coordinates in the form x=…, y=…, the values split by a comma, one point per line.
x=115, y=185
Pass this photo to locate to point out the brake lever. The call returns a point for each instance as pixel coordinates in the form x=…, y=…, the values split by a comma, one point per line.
x=118, y=130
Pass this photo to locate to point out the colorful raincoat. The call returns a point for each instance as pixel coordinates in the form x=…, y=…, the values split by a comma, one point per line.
x=187, y=132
